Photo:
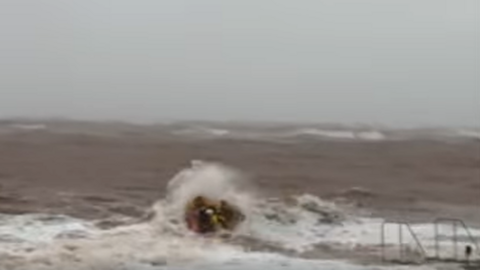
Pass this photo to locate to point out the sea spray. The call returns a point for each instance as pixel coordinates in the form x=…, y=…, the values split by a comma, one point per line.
x=213, y=180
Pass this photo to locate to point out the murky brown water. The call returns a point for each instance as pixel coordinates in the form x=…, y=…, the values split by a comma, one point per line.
x=94, y=170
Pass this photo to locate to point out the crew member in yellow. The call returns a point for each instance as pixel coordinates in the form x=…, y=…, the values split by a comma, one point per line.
x=202, y=216
x=229, y=216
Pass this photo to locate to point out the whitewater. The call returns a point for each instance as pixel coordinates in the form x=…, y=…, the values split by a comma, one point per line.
x=300, y=232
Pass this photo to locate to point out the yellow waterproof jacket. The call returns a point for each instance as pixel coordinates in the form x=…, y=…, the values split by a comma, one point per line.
x=225, y=216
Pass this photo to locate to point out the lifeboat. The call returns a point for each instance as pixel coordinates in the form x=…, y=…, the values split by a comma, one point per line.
x=206, y=216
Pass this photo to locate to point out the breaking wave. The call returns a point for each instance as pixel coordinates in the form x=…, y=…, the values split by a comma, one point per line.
x=247, y=131
x=277, y=231
x=475, y=134
x=340, y=134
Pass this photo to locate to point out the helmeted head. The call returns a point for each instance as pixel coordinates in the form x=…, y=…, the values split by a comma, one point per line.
x=199, y=201
x=223, y=204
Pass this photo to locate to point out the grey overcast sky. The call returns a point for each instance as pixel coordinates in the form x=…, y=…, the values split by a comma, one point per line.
x=398, y=62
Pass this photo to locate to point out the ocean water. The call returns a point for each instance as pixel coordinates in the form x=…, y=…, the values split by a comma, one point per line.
x=276, y=234
x=343, y=133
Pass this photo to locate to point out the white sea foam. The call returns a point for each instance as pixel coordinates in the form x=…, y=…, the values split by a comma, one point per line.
x=202, y=131
x=371, y=135
x=336, y=134
x=469, y=133
x=29, y=127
